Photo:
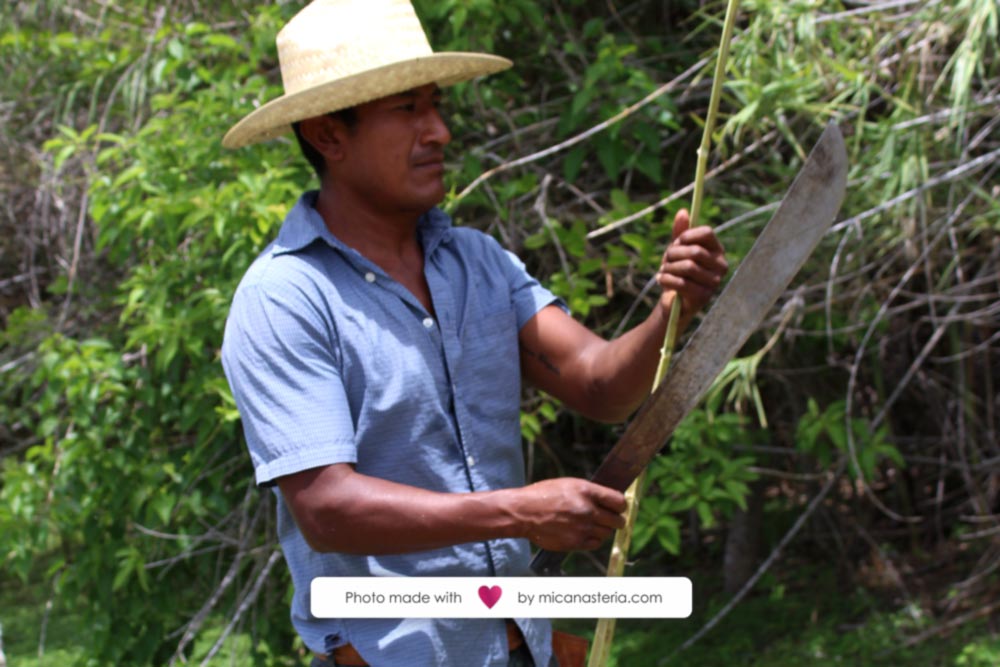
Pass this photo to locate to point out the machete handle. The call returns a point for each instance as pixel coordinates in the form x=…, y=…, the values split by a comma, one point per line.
x=548, y=563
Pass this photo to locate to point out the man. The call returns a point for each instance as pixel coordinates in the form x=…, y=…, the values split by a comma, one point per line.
x=376, y=353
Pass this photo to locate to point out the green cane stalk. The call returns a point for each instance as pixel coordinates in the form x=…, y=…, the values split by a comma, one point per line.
x=605, y=632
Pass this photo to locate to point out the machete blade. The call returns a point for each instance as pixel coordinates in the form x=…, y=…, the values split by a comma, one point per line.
x=804, y=216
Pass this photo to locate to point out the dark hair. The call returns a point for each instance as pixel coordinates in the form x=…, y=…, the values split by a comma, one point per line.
x=348, y=117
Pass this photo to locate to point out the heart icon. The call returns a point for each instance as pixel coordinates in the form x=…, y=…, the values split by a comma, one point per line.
x=490, y=595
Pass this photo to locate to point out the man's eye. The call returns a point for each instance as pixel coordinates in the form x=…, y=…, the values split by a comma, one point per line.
x=406, y=107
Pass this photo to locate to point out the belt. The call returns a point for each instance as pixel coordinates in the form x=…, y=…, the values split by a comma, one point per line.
x=348, y=656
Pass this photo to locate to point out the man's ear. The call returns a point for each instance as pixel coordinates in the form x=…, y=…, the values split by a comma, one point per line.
x=326, y=135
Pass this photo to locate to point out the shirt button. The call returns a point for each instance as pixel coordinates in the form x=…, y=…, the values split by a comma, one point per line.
x=428, y=323
x=370, y=277
x=471, y=461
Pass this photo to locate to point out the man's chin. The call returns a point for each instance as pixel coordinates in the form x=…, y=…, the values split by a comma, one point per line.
x=435, y=197
x=424, y=204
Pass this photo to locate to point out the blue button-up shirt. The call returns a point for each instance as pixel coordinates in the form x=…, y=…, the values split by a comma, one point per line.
x=332, y=361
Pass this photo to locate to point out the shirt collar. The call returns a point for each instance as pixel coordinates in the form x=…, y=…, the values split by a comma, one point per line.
x=304, y=224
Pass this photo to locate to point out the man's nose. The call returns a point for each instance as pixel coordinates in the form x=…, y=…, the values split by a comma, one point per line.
x=435, y=129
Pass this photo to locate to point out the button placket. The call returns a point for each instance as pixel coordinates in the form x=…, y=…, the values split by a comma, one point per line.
x=443, y=304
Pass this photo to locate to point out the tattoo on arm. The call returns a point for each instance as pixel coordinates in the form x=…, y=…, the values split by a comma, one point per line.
x=542, y=359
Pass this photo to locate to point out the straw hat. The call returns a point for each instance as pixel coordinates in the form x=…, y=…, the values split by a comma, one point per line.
x=336, y=54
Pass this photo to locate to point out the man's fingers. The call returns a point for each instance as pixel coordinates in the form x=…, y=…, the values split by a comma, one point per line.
x=715, y=262
x=694, y=260
x=609, y=520
x=682, y=222
x=572, y=513
x=607, y=498
x=683, y=276
x=688, y=287
x=678, y=274
x=703, y=236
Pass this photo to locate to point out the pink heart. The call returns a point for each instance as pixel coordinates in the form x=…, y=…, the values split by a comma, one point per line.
x=490, y=596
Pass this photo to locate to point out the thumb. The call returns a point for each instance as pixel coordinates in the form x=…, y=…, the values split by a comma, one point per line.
x=682, y=222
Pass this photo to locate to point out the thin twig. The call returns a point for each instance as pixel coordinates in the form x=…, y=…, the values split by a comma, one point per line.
x=978, y=612
x=547, y=224
x=952, y=175
x=194, y=625
x=875, y=7
x=245, y=603
x=74, y=263
x=583, y=136
x=687, y=189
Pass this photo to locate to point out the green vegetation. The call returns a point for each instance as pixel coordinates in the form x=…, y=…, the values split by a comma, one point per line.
x=863, y=442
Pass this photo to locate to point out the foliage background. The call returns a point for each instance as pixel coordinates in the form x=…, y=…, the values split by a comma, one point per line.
x=855, y=440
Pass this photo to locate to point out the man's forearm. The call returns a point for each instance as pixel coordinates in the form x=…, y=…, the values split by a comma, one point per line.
x=366, y=515
x=622, y=370
x=338, y=509
x=602, y=380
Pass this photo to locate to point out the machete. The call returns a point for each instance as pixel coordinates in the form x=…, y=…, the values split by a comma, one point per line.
x=804, y=216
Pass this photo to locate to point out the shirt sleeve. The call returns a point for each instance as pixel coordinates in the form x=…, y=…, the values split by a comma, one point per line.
x=526, y=293
x=280, y=358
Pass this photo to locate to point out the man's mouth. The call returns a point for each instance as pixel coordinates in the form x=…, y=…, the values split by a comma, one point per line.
x=431, y=161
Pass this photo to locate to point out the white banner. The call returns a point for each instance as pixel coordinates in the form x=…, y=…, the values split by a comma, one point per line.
x=501, y=597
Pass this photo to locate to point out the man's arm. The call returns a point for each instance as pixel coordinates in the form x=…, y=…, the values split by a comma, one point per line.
x=607, y=380
x=339, y=509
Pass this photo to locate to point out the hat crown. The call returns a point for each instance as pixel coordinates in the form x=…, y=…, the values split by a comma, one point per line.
x=334, y=39
x=336, y=54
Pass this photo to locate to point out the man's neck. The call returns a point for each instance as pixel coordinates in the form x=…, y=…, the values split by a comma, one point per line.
x=383, y=237
x=390, y=241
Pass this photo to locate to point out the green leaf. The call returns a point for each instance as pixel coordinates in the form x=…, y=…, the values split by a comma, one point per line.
x=620, y=200
x=175, y=49
x=704, y=511
x=669, y=535
x=640, y=243
x=573, y=163
x=649, y=165
x=162, y=505
x=607, y=155
x=222, y=41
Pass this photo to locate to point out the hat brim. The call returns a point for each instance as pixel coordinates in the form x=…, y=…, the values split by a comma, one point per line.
x=275, y=118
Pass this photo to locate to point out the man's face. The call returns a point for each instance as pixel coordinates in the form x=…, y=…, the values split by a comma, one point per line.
x=394, y=154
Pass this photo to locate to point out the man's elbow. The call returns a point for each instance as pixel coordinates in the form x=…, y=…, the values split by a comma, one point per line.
x=322, y=530
x=321, y=507
x=601, y=395
x=597, y=405
x=319, y=540
x=346, y=533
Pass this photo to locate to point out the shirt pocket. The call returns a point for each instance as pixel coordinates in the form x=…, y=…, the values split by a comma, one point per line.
x=491, y=368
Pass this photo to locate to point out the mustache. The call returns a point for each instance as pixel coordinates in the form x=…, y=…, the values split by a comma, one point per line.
x=429, y=157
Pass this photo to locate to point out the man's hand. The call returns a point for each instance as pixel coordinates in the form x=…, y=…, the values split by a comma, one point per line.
x=693, y=266
x=568, y=514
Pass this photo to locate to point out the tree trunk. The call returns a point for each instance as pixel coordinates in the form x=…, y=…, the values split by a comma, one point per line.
x=743, y=541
